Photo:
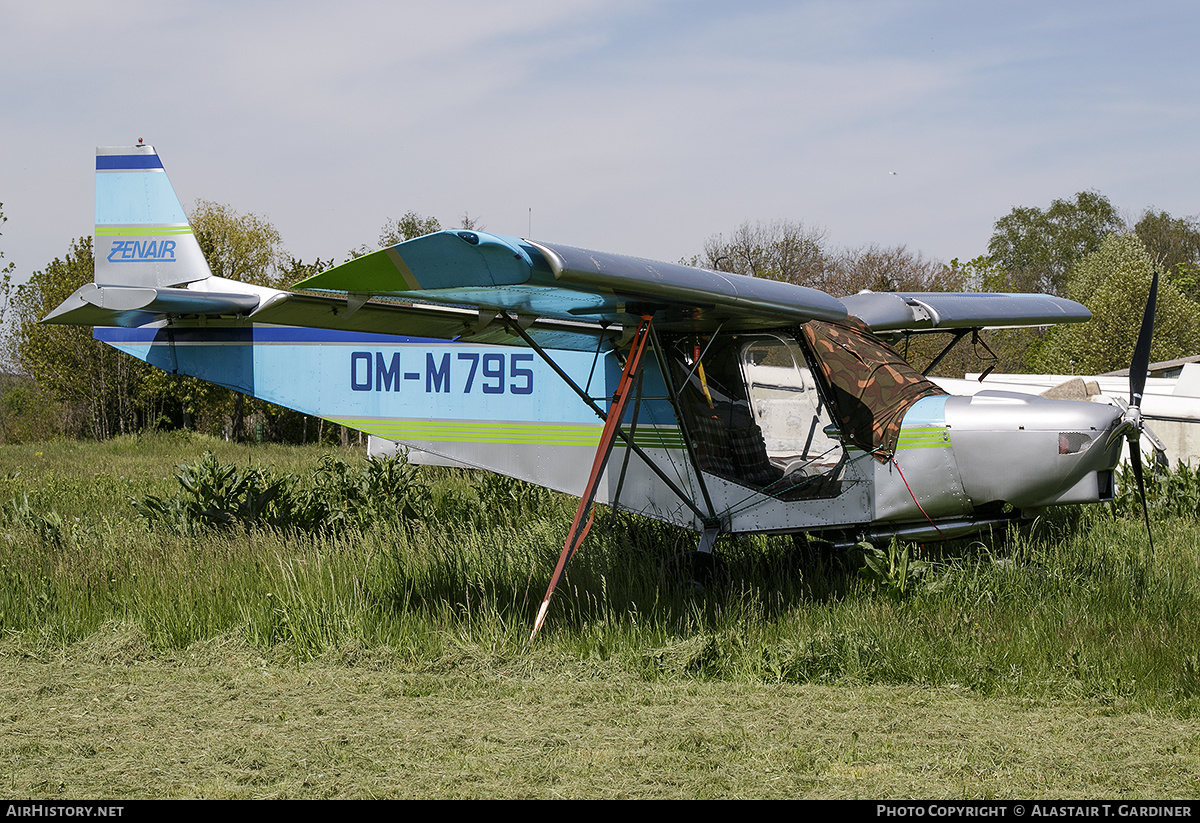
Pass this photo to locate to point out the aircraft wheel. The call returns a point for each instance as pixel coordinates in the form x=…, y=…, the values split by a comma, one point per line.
x=697, y=571
x=809, y=552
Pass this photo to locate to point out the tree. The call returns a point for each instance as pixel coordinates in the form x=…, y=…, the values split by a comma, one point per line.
x=470, y=223
x=779, y=250
x=889, y=268
x=1114, y=282
x=5, y=274
x=978, y=274
x=244, y=247
x=795, y=253
x=1038, y=248
x=297, y=270
x=23, y=406
x=408, y=227
x=1174, y=244
x=26, y=412
x=100, y=391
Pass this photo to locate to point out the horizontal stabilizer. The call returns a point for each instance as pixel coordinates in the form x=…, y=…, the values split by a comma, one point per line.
x=939, y=311
x=131, y=306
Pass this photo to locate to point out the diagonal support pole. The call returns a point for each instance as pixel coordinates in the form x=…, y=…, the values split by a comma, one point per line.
x=673, y=390
x=612, y=425
x=958, y=335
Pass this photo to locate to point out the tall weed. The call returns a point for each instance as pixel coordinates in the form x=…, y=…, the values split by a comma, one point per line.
x=303, y=553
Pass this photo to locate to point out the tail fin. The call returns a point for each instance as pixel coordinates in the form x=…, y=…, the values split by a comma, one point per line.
x=144, y=246
x=143, y=237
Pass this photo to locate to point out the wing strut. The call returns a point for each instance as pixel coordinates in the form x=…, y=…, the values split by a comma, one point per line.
x=958, y=335
x=612, y=426
x=626, y=436
x=688, y=440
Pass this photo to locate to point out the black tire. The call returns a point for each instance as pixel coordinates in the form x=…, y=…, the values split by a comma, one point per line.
x=695, y=571
x=810, y=553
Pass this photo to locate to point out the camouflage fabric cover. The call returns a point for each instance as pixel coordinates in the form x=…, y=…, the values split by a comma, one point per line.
x=871, y=385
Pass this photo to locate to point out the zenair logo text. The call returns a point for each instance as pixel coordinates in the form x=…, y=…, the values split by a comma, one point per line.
x=142, y=251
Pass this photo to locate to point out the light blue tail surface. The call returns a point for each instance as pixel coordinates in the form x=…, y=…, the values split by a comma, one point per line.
x=495, y=407
x=142, y=233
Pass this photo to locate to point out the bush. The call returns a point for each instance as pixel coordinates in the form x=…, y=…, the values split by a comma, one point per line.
x=333, y=497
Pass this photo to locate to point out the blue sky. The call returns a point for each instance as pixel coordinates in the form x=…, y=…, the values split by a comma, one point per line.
x=633, y=127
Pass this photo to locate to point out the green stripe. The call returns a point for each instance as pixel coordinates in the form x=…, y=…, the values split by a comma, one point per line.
x=380, y=271
x=928, y=437
x=456, y=431
x=144, y=231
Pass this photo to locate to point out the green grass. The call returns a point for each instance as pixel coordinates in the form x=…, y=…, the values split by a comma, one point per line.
x=109, y=717
x=1075, y=617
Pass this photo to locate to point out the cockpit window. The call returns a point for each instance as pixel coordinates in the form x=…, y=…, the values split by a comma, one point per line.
x=756, y=415
x=787, y=406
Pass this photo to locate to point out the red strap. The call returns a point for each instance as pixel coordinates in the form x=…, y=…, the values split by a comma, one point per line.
x=580, y=527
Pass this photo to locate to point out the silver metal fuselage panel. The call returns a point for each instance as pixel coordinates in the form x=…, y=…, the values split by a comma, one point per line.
x=1030, y=451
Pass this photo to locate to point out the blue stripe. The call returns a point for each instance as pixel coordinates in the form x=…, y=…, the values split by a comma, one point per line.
x=260, y=334
x=109, y=162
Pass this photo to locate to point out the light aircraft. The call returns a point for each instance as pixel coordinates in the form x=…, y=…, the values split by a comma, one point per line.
x=727, y=404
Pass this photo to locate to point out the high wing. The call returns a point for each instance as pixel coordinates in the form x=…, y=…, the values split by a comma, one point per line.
x=539, y=280
x=453, y=285
x=536, y=280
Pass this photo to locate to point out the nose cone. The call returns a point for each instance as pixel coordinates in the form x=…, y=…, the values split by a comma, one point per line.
x=1032, y=452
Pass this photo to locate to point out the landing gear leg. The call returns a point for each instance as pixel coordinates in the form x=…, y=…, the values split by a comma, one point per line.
x=700, y=570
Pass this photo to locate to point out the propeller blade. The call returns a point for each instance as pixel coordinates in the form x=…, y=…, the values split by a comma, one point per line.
x=1140, y=365
x=1135, y=458
x=1131, y=424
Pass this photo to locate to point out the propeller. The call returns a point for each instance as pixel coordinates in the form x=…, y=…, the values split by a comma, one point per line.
x=1131, y=420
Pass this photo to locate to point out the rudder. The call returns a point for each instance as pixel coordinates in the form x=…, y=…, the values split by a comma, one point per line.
x=143, y=237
